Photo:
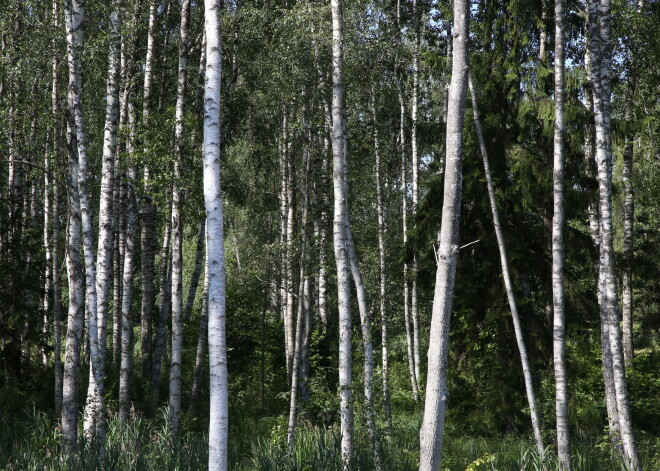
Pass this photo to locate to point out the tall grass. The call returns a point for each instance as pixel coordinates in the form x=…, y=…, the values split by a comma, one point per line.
x=143, y=445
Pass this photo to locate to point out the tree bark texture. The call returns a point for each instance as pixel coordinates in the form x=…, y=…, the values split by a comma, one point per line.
x=436, y=384
x=215, y=265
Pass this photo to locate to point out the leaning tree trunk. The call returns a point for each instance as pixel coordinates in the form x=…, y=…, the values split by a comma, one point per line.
x=94, y=421
x=559, y=322
x=436, y=384
x=508, y=284
x=177, y=225
x=599, y=19
x=340, y=236
x=215, y=265
x=382, y=304
x=165, y=296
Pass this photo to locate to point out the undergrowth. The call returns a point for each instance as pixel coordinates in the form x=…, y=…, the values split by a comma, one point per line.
x=143, y=445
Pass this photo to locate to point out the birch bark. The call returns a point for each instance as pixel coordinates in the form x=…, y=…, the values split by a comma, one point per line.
x=177, y=225
x=219, y=401
x=94, y=422
x=559, y=323
x=340, y=229
x=436, y=385
x=599, y=20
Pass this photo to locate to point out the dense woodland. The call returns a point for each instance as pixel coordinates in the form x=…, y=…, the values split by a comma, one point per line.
x=436, y=247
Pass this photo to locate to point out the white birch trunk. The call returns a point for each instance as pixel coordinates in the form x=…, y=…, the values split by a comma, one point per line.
x=382, y=302
x=177, y=225
x=74, y=331
x=148, y=216
x=628, y=220
x=599, y=18
x=219, y=400
x=94, y=421
x=508, y=284
x=559, y=322
x=74, y=14
x=340, y=227
x=436, y=384
x=414, y=308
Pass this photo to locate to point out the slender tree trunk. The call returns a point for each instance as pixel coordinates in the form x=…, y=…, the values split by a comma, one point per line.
x=74, y=13
x=283, y=242
x=219, y=407
x=165, y=296
x=200, y=354
x=148, y=228
x=508, y=284
x=436, y=385
x=410, y=342
x=599, y=20
x=126, y=366
x=559, y=322
x=340, y=236
x=628, y=220
x=199, y=263
x=382, y=304
x=177, y=225
x=74, y=331
x=94, y=420
x=414, y=308
x=290, y=224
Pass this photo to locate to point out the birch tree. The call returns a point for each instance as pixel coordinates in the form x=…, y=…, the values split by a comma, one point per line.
x=436, y=384
x=215, y=265
x=508, y=284
x=177, y=225
x=340, y=238
x=601, y=62
x=94, y=423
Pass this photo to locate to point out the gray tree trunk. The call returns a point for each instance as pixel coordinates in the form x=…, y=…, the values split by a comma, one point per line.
x=199, y=264
x=559, y=322
x=436, y=384
x=200, y=353
x=219, y=400
x=165, y=297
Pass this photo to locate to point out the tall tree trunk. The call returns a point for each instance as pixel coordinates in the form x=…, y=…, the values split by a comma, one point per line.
x=126, y=366
x=215, y=265
x=94, y=420
x=290, y=224
x=414, y=308
x=177, y=225
x=340, y=236
x=599, y=22
x=508, y=284
x=148, y=228
x=74, y=13
x=410, y=342
x=382, y=304
x=559, y=322
x=74, y=330
x=436, y=384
